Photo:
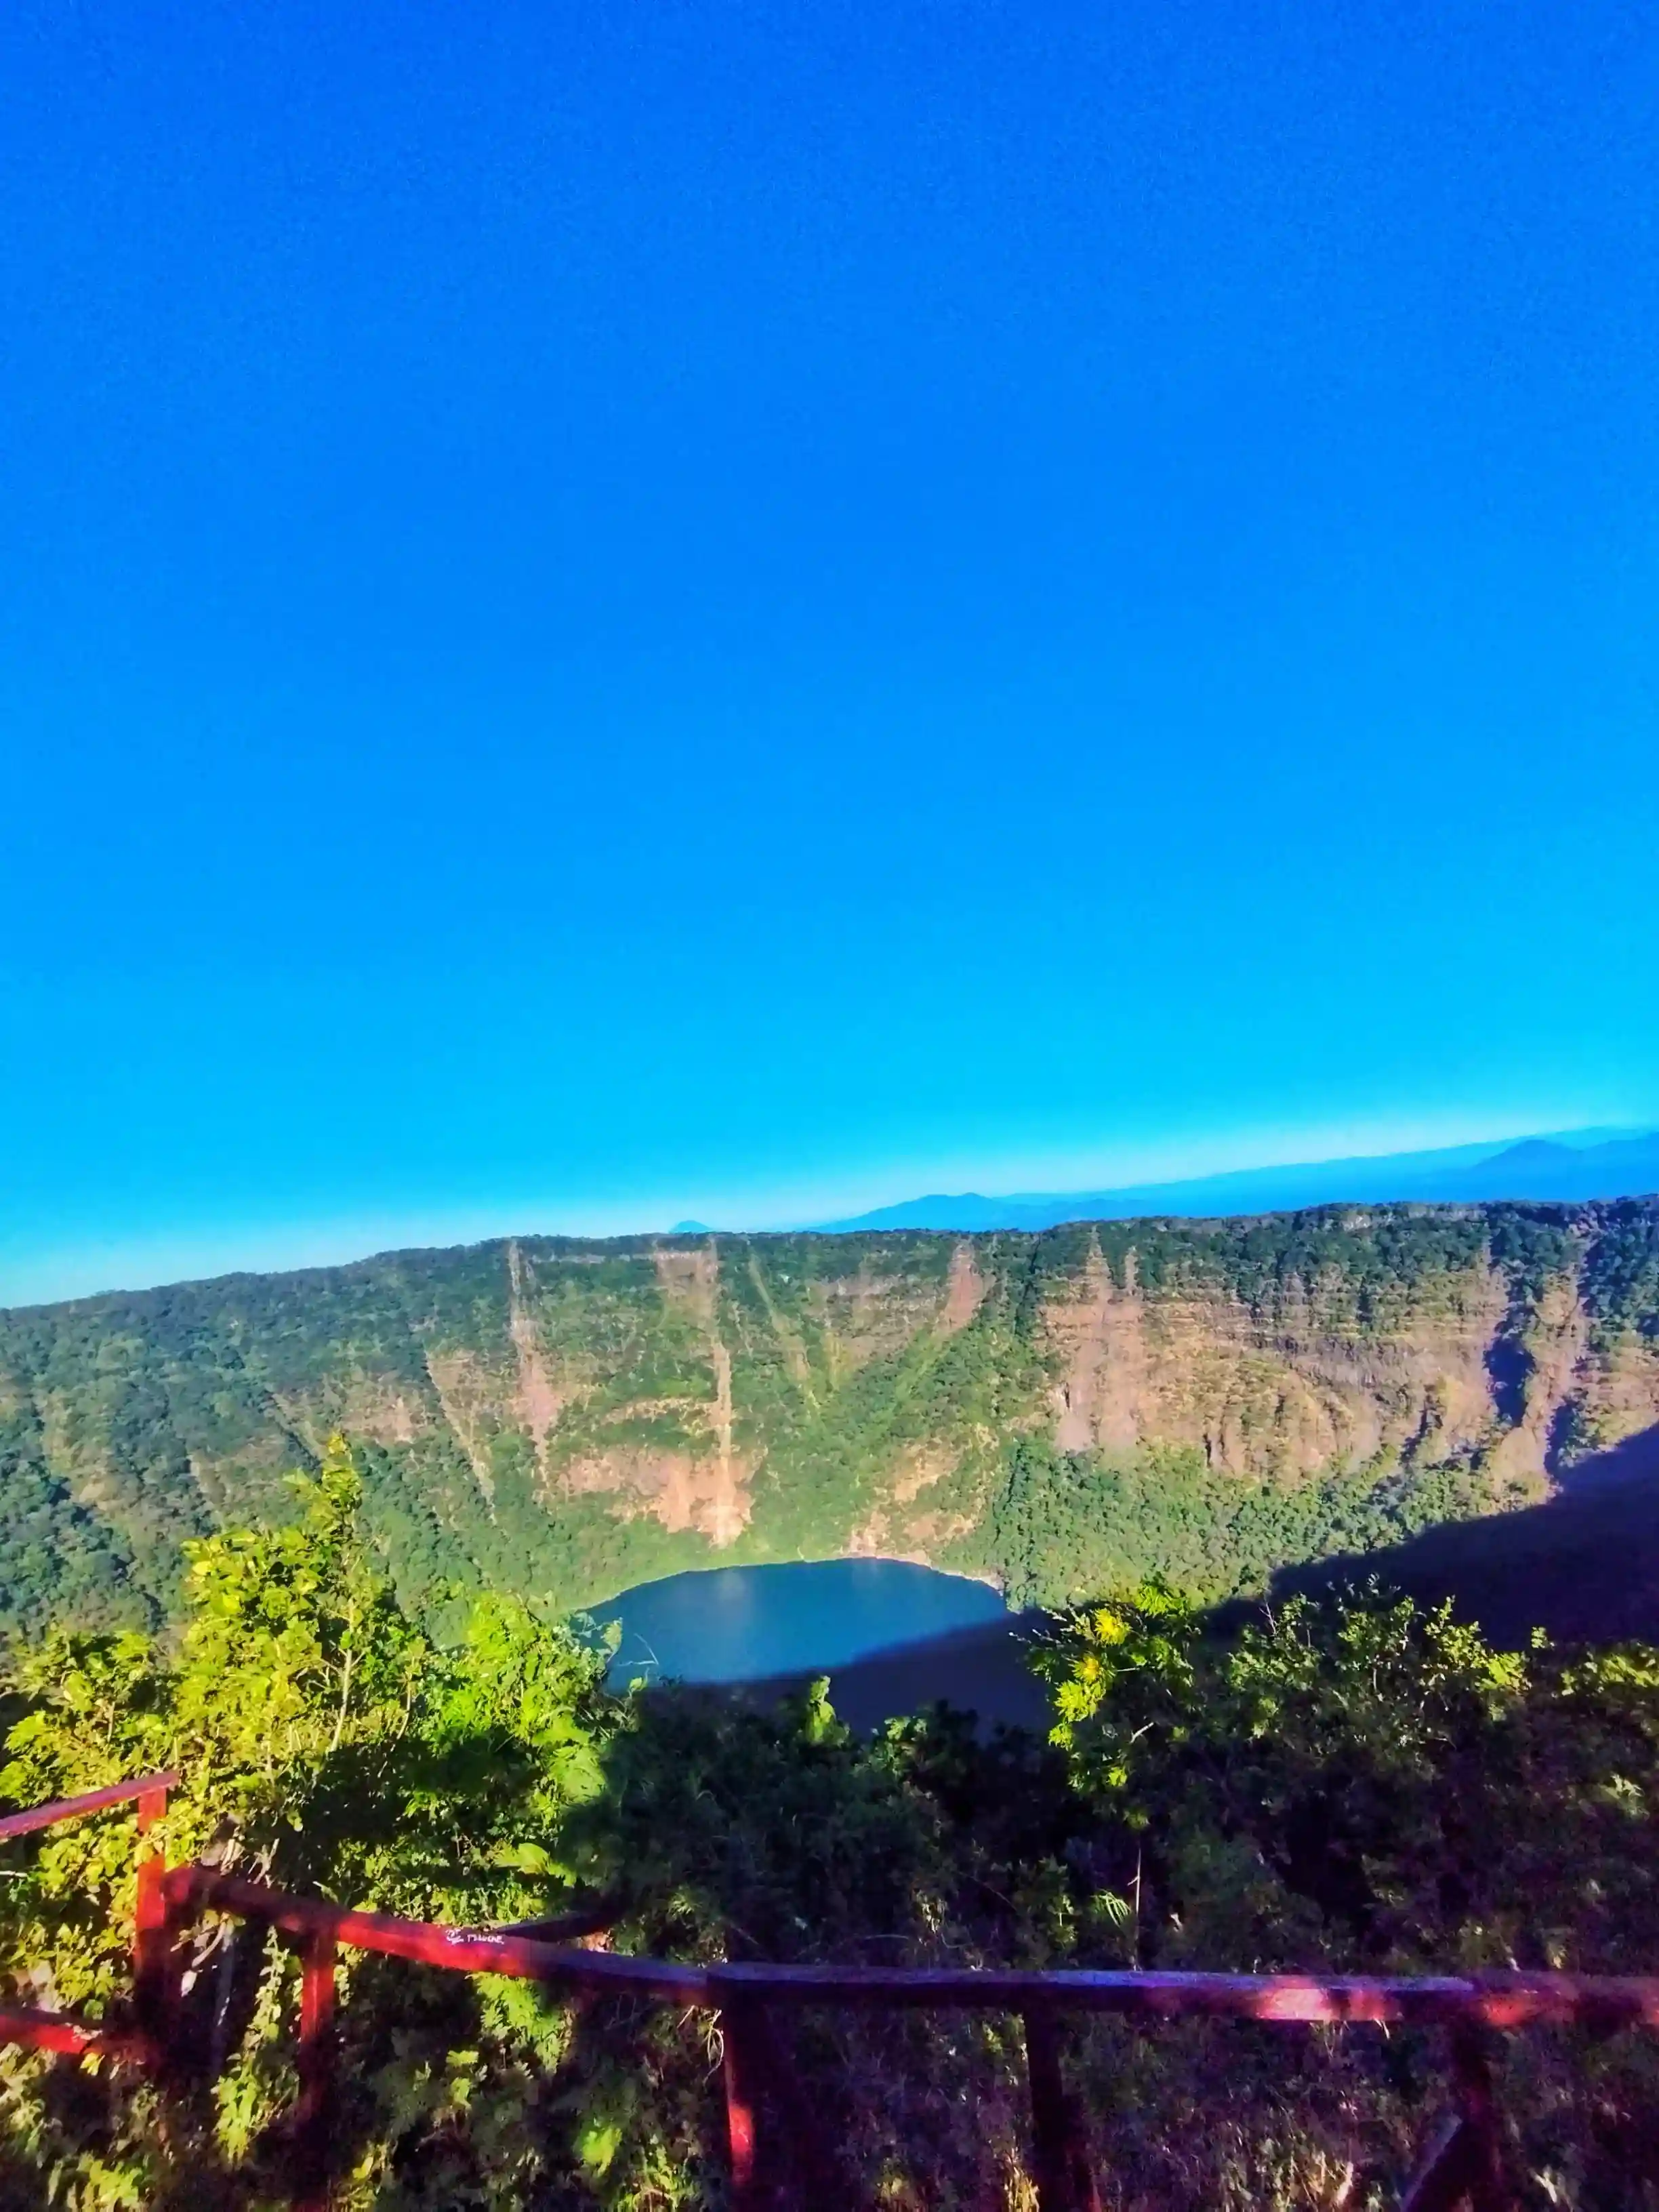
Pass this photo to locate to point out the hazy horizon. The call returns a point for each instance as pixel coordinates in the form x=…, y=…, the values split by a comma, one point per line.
x=275, y=1247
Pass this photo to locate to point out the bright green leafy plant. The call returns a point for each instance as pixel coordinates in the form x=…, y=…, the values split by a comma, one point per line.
x=1352, y=1785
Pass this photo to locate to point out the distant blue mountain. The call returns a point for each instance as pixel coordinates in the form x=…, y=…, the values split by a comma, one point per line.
x=1564, y=1168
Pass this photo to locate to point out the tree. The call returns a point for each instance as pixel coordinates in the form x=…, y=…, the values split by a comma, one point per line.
x=325, y=1743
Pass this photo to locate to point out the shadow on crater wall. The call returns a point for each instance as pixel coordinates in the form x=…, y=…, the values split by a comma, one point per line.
x=1585, y=1566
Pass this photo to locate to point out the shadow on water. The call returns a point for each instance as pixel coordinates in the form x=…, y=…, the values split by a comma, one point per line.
x=1585, y=1566
x=979, y=1670
x=785, y=1848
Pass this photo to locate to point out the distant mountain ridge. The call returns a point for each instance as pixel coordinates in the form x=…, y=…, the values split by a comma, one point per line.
x=1564, y=1169
x=1059, y=1412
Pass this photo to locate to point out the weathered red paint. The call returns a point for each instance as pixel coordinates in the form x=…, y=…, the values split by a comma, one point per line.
x=53, y=2031
x=1464, y=2164
x=1497, y=2000
x=740, y=2071
x=155, y=1787
x=313, y=2114
x=152, y=1934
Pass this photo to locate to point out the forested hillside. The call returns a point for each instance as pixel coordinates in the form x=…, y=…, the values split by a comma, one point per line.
x=1355, y=1787
x=557, y=1419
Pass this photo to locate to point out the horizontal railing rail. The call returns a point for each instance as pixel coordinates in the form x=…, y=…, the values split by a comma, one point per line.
x=1494, y=2000
x=62, y=2032
x=153, y=1786
x=1462, y=2167
x=53, y=2031
x=772, y=2128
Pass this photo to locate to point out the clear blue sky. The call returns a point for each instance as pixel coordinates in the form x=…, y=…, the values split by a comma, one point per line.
x=746, y=609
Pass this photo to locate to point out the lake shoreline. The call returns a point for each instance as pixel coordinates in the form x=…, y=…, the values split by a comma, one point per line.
x=983, y=1580
x=793, y=1620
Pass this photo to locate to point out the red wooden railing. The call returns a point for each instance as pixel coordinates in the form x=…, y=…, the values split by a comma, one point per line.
x=1463, y=2167
x=58, y=2032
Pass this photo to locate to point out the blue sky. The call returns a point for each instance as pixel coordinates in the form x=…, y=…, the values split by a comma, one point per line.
x=744, y=610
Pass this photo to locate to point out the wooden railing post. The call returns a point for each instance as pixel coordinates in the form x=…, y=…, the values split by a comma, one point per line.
x=1065, y=2180
x=155, y=1976
x=772, y=2129
x=1465, y=2166
x=742, y=2032
x=314, y=2113
x=796, y=2126
x=1478, y=2107
x=767, y=2114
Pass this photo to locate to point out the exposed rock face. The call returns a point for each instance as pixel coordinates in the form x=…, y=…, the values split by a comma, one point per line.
x=538, y=1402
x=1304, y=1385
x=708, y=1495
x=1614, y=1391
x=564, y=1417
x=964, y=1290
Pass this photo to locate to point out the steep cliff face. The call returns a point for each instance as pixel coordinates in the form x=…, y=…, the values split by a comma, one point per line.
x=562, y=1418
x=1299, y=1385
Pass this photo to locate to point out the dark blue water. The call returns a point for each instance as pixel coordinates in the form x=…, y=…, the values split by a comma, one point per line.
x=750, y=1623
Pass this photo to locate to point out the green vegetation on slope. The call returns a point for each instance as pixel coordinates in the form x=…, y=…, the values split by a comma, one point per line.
x=1064, y=1524
x=554, y=1419
x=1356, y=1787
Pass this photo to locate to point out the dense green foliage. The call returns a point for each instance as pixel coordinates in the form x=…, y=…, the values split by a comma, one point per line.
x=326, y=1743
x=555, y=1419
x=1359, y=1785
x=1063, y=1524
